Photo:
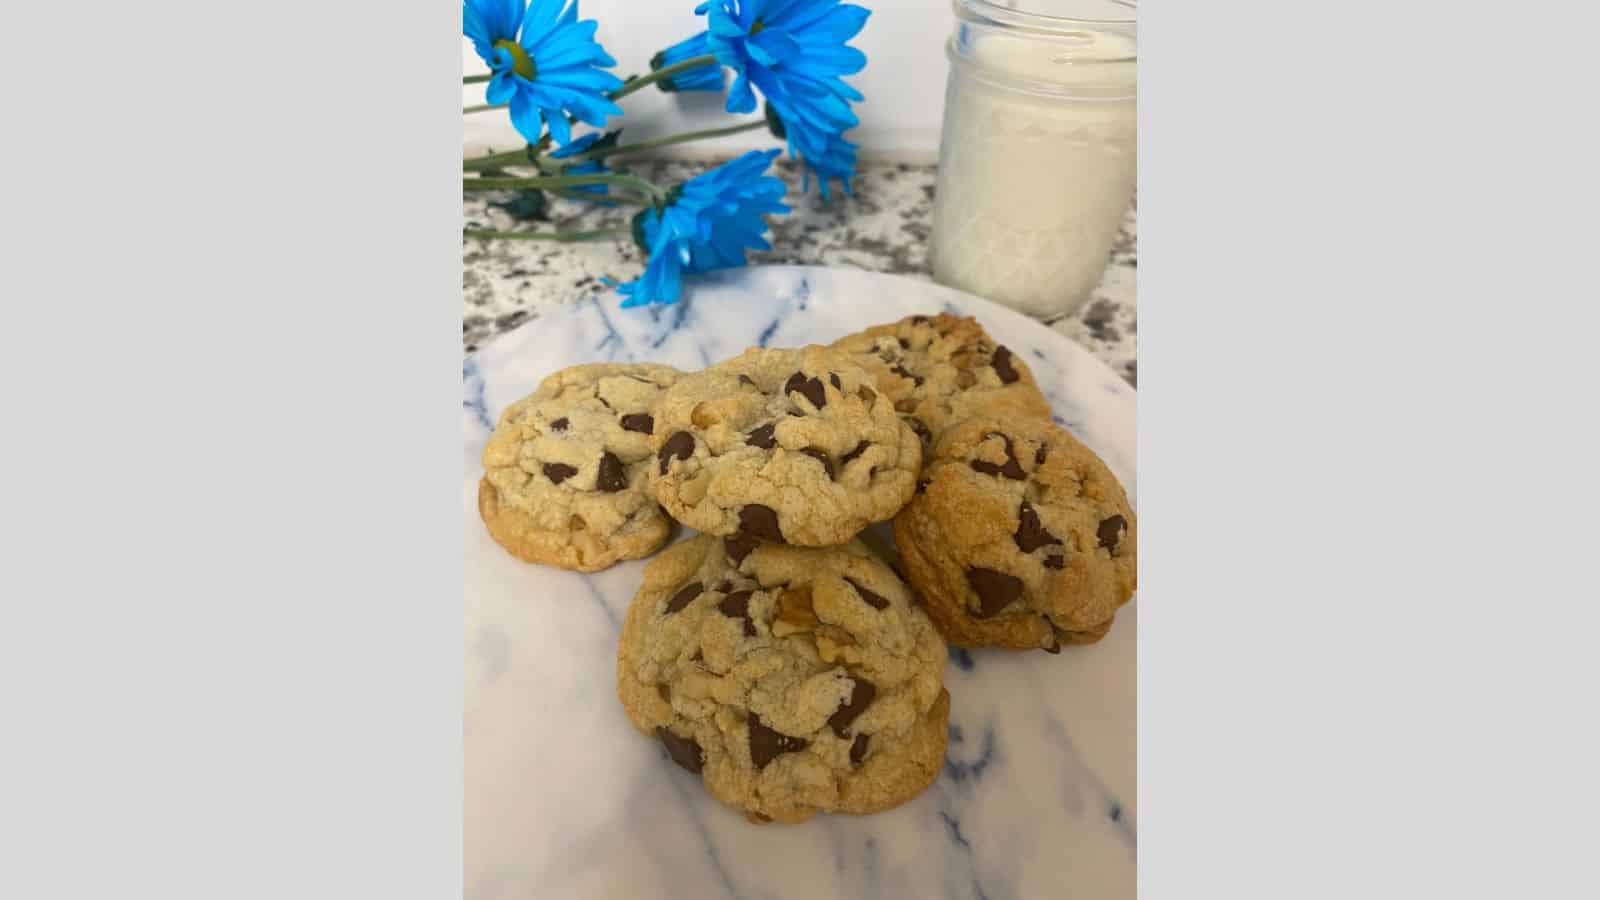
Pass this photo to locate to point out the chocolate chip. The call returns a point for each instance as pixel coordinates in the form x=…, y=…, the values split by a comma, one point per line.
x=745, y=379
x=757, y=817
x=761, y=522
x=867, y=395
x=640, y=422
x=922, y=485
x=876, y=601
x=1002, y=366
x=560, y=424
x=797, y=414
x=904, y=344
x=698, y=657
x=1012, y=469
x=860, y=449
x=681, y=445
x=822, y=457
x=762, y=436
x=612, y=476
x=739, y=546
x=766, y=744
x=921, y=430
x=558, y=472
x=1040, y=454
x=809, y=388
x=685, y=594
x=901, y=371
x=860, y=696
x=1055, y=561
x=1054, y=646
x=665, y=692
x=684, y=751
x=858, y=750
x=1110, y=531
x=1031, y=535
x=725, y=587
x=995, y=590
x=920, y=320
x=737, y=606
x=837, y=384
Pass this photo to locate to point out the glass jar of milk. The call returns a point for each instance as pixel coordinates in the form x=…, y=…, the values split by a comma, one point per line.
x=1037, y=157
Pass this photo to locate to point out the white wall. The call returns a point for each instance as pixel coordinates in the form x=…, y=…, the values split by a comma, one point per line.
x=903, y=81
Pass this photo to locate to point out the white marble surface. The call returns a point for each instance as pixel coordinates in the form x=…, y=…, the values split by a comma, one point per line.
x=883, y=227
x=564, y=799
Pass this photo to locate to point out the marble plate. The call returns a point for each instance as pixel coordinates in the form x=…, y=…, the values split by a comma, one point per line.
x=564, y=799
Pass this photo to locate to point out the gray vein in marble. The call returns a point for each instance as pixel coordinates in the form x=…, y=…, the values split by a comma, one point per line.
x=882, y=227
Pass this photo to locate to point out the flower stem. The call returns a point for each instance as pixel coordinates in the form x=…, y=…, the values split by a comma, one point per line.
x=477, y=79
x=483, y=106
x=640, y=146
x=632, y=182
x=496, y=160
x=634, y=84
x=563, y=236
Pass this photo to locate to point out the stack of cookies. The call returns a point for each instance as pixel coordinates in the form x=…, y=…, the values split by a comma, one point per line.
x=774, y=654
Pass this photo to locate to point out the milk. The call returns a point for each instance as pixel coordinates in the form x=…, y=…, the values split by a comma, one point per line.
x=1036, y=164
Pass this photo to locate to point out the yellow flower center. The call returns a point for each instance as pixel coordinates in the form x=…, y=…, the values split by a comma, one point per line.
x=521, y=62
x=757, y=27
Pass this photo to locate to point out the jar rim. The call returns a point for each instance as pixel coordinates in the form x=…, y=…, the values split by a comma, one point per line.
x=1010, y=15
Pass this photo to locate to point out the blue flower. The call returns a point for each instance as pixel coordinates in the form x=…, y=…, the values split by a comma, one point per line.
x=794, y=52
x=699, y=78
x=708, y=223
x=588, y=166
x=554, y=68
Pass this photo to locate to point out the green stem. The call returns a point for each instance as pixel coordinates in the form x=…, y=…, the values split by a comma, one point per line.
x=563, y=236
x=635, y=84
x=632, y=182
x=477, y=79
x=496, y=160
x=641, y=146
x=483, y=106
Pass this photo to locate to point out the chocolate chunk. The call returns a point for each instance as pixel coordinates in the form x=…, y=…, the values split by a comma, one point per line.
x=995, y=590
x=1110, y=531
x=684, y=751
x=685, y=594
x=860, y=696
x=876, y=601
x=737, y=606
x=901, y=371
x=858, y=750
x=612, y=476
x=1011, y=469
x=766, y=744
x=725, y=587
x=680, y=445
x=1002, y=366
x=837, y=384
x=640, y=422
x=760, y=522
x=904, y=344
x=1055, y=561
x=745, y=379
x=1031, y=535
x=860, y=449
x=739, y=546
x=920, y=320
x=762, y=436
x=1040, y=454
x=809, y=388
x=558, y=472
x=560, y=424
x=921, y=430
x=867, y=395
x=822, y=457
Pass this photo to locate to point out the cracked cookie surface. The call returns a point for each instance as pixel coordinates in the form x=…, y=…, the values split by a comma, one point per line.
x=938, y=370
x=565, y=478
x=1019, y=537
x=796, y=681
x=793, y=446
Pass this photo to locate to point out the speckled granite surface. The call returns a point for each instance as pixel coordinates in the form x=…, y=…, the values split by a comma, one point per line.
x=883, y=227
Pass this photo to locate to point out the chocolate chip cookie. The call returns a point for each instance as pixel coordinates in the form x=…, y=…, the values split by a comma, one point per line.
x=565, y=473
x=938, y=370
x=795, y=681
x=795, y=446
x=1020, y=537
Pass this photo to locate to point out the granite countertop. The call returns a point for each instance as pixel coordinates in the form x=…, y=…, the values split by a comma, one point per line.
x=882, y=227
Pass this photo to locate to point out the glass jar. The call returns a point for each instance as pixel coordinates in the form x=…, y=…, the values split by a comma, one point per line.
x=1037, y=159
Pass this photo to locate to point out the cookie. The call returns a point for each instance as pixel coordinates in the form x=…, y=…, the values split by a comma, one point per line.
x=938, y=370
x=795, y=446
x=798, y=680
x=1020, y=537
x=565, y=478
